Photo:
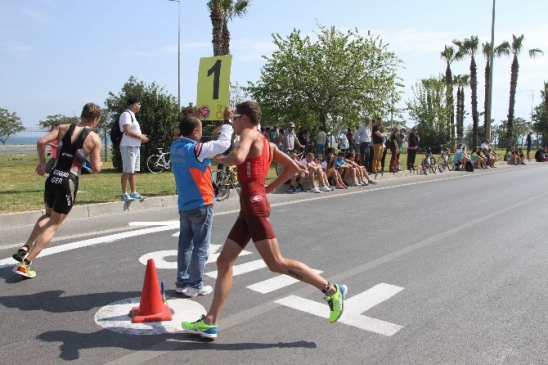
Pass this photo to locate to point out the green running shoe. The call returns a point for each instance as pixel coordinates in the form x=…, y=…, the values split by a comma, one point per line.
x=201, y=328
x=336, y=302
x=24, y=270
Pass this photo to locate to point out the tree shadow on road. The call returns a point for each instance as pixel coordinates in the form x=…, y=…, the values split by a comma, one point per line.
x=72, y=343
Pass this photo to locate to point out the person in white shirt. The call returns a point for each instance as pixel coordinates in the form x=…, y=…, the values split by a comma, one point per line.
x=316, y=172
x=321, y=138
x=363, y=134
x=130, y=148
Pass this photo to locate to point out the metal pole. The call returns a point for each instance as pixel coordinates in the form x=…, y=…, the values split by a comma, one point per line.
x=490, y=94
x=178, y=56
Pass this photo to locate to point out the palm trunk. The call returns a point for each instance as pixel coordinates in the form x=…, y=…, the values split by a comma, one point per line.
x=485, y=106
x=226, y=38
x=460, y=113
x=450, y=103
x=474, y=87
x=513, y=86
x=217, y=22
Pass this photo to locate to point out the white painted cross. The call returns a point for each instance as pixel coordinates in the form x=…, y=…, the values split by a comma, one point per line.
x=162, y=263
x=353, y=308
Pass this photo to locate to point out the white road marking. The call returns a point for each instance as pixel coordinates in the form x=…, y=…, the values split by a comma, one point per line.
x=160, y=257
x=93, y=242
x=115, y=317
x=275, y=283
x=353, y=309
x=242, y=268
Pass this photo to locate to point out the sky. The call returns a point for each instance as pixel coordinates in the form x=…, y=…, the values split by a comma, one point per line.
x=57, y=55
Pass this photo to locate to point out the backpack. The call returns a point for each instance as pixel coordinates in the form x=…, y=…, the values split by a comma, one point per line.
x=539, y=156
x=115, y=133
x=388, y=143
x=469, y=166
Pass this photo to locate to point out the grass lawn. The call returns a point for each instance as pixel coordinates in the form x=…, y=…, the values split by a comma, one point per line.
x=23, y=190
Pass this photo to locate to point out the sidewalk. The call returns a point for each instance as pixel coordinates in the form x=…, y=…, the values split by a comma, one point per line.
x=119, y=207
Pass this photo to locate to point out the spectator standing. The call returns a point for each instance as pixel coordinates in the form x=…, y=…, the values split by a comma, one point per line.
x=351, y=142
x=529, y=143
x=412, y=147
x=130, y=149
x=304, y=139
x=343, y=141
x=363, y=137
x=394, y=151
x=378, y=136
x=192, y=171
x=76, y=142
x=401, y=140
x=321, y=138
x=290, y=139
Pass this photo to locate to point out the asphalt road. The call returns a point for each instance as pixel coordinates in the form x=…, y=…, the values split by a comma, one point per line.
x=441, y=269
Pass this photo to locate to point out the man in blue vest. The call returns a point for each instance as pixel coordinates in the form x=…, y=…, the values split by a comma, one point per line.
x=192, y=170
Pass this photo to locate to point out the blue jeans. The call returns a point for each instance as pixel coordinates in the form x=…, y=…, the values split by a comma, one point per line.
x=193, y=249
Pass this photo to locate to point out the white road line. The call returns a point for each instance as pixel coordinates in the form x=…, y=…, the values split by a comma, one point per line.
x=275, y=283
x=353, y=308
x=93, y=242
x=242, y=268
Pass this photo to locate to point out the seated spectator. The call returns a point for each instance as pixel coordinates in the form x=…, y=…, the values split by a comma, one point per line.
x=331, y=173
x=492, y=158
x=512, y=157
x=315, y=173
x=361, y=172
x=296, y=182
x=346, y=171
x=541, y=155
x=477, y=160
x=461, y=158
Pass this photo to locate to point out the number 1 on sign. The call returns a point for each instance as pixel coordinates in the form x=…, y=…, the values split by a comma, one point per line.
x=216, y=70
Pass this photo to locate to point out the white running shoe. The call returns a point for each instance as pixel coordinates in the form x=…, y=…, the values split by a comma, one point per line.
x=315, y=190
x=194, y=292
x=325, y=188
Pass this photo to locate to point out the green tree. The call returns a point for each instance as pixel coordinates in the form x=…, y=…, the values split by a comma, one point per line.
x=520, y=128
x=10, y=124
x=328, y=82
x=540, y=116
x=515, y=48
x=158, y=116
x=61, y=119
x=430, y=110
x=469, y=47
x=449, y=55
x=221, y=12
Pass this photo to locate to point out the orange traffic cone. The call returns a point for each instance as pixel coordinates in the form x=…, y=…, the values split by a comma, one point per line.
x=152, y=307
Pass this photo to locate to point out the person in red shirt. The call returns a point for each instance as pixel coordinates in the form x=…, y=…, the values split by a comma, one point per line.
x=252, y=157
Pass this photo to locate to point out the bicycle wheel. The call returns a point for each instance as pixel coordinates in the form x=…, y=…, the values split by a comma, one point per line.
x=154, y=164
x=236, y=185
x=221, y=180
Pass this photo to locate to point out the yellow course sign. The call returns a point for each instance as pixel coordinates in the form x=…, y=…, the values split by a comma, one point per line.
x=213, y=86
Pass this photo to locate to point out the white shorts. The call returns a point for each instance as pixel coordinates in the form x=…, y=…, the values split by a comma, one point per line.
x=131, y=159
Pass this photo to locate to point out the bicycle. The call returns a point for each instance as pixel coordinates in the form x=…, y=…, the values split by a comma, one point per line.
x=446, y=160
x=429, y=163
x=224, y=181
x=159, y=162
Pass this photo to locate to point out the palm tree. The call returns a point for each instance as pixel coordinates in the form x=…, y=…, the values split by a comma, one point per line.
x=221, y=12
x=461, y=81
x=516, y=47
x=501, y=49
x=469, y=47
x=448, y=55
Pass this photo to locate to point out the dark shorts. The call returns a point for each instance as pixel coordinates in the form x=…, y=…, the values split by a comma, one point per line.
x=60, y=191
x=252, y=222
